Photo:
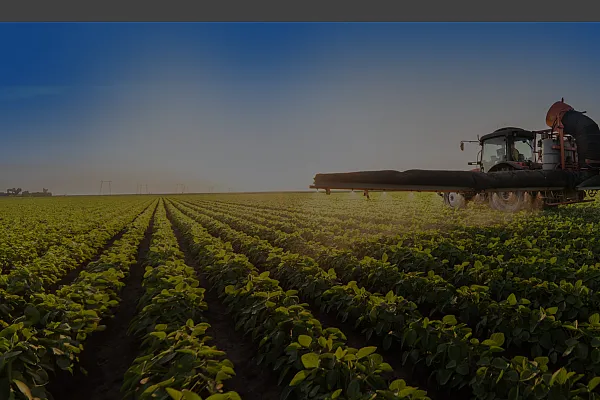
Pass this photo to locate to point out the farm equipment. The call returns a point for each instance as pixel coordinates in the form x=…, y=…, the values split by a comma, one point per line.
x=516, y=169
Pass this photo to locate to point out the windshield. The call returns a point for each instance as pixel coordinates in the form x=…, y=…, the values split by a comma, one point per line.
x=523, y=149
x=494, y=151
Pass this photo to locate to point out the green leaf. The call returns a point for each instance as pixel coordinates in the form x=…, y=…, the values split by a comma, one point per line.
x=298, y=378
x=463, y=369
x=385, y=367
x=336, y=394
x=593, y=383
x=23, y=388
x=512, y=299
x=514, y=393
x=32, y=314
x=217, y=396
x=365, y=351
x=444, y=376
x=305, y=340
x=449, y=320
x=354, y=389
x=159, y=335
x=175, y=394
x=310, y=360
x=498, y=338
x=500, y=363
x=161, y=327
x=398, y=384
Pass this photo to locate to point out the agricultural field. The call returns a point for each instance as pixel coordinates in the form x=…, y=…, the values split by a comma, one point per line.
x=296, y=296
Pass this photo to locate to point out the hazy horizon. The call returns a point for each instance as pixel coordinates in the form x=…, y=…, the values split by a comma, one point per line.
x=265, y=106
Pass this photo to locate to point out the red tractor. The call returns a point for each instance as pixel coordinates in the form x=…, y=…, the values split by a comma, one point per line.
x=516, y=168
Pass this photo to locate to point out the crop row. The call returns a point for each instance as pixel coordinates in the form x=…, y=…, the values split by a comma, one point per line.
x=28, y=233
x=52, y=331
x=445, y=346
x=24, y=281
x=401, y=270
x=527, y=328
x=291, y=221
x=291, y=340
x=175, y=358
x=542, y=236
x=548, y=250
x=405, y=210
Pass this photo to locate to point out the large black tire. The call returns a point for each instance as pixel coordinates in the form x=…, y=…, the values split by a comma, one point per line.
x=455, y=200
x=511, y=201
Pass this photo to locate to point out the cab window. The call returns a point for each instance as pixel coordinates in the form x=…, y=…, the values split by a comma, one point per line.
x=494, y=151
x=524, y=149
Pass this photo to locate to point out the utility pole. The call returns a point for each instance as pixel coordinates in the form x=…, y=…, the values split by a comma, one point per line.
x=109, y=187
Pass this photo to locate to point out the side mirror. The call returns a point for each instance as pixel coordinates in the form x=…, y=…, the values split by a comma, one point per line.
x=462, y=146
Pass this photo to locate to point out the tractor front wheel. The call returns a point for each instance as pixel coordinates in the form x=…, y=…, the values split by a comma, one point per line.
x=455, y=200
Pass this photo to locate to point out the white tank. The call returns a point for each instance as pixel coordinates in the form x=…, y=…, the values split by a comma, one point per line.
x=550, y=156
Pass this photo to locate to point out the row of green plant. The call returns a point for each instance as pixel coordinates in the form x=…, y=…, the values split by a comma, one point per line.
x=25, y=281
x=445, y=346
x=570, y=239
x=432, y=292
x=54, y=327
x=310, y=228
x=314, y=362
x=28, y=230
x=175, y=358
x=502, y=275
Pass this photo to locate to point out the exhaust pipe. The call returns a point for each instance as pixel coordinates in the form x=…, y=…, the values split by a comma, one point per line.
x=585, y=131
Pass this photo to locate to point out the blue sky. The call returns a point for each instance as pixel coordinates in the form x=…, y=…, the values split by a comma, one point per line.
x=266, y=106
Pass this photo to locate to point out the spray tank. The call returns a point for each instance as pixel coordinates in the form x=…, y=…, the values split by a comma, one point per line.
x=564, y=118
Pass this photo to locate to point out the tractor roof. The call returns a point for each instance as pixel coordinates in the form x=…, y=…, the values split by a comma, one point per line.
x=509, y=131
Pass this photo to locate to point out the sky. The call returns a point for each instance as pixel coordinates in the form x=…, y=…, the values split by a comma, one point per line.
x=266, y=106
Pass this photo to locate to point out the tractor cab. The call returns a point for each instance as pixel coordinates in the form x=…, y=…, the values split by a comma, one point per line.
x=505, y=149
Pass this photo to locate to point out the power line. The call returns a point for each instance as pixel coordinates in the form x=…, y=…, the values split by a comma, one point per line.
x=139, y=189
x=109, y=187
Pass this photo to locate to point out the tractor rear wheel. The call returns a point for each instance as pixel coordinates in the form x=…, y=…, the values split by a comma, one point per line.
x=507, y=201
x=513, y=201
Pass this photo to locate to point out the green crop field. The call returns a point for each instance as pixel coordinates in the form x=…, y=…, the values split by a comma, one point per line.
x=297, y=296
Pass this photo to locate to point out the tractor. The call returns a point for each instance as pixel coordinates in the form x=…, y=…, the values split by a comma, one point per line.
x=516, y=169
